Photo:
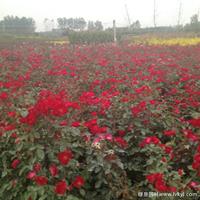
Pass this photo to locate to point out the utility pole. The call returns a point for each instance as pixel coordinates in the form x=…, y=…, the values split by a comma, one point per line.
x=114, y=32
x=179, y=13
x=128, y=16
x=154, y=13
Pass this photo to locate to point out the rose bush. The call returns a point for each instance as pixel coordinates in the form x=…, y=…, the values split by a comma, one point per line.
x=98, y=122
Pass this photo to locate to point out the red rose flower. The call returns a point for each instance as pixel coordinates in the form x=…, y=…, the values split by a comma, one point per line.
x=3, y=95
x=64, y=157
x=76, y=124
x=63, y=123
x=121, y=142
x=194, y=185
x=15, y=163
x=161, y=186
x=41, y=180
x=195, y=122
x=78, y=182
x=190, y=135
x=149, y=140
x=153, y=177
x=170, y=133
x=14, y=135
x=31, y=175
x=53, y=170
x=37, y=167
x=121, y=133
x=180, y=172
x=60, y=187
x=11, y=114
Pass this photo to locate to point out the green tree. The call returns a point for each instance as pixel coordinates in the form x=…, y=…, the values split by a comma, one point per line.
x=136, y=25
x=95, y=26
x=62, y=23
x=13, y=24
x=91, y=26
x=79, y=23
x=71, y=23
x=194, y=25
x=98, y=25
x=194, y=19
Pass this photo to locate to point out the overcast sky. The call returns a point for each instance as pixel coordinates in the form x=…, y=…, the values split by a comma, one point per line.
x=104, y=10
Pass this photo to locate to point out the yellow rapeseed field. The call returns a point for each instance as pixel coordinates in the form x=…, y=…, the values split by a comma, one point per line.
x=170, y=41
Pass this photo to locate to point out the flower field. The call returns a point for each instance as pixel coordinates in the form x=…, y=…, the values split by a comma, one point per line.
x=181, y=41
x=100, y=122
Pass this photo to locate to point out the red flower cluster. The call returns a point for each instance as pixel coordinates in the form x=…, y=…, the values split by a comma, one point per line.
x=61, y=187
x=140, y=107
x=41, y=180
x=196, y=161
x=78, y=182
x=53, y=170
x=31, y=118
x=121, y=142
x=64, y=157
x=89, y=98
x=3, y=95
x=170, y=132
x=101, y=93
x=194, y=185
x=158, y=181
x=190, y=135
x=48, y=104
x=31, y=175
x=195, y=122
x=15, y=163
x=94, y=127
x=150, y=140
x=37, y=167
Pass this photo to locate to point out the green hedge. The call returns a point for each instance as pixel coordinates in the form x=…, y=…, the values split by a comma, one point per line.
x=89, y=37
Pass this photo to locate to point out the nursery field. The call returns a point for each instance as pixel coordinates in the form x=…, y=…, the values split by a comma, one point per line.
x=99, y=122
x=181, y=41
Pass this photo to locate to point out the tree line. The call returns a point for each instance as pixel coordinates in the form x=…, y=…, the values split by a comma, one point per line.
x=22, y=25
x=79, y=24
x=194, y=24
x=16, y=24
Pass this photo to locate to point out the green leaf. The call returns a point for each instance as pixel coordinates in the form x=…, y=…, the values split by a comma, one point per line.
x=4, y=173
x=19, y=147
x=25, y=168
x=98, y=184
x=40, y=154
x=23, y=112
x=82, y=192
x=72, y=197
x=43, y=197
x=36, y=135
